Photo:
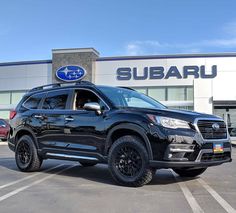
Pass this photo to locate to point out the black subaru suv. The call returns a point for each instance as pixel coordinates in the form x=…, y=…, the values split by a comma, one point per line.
x=130, y=131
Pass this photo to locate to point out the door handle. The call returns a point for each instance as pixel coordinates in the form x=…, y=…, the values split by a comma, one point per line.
x=38, y=116
x=69, y=119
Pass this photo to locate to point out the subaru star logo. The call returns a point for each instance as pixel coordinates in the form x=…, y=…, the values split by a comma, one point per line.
x=70, y=73
x=215, y=126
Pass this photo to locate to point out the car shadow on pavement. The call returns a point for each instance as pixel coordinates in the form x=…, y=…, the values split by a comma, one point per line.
x=165, y=177
x=101, y=174
x=8, y=162
x=98, y=173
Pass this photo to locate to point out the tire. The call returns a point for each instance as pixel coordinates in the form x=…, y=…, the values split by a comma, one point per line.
x=26, y=155
x=128, y=162
x=189, y=172
x=4, y=140
x=87, y=163
x=154, y=170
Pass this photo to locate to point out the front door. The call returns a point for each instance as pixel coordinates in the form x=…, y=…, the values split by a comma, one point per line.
x=84, y=130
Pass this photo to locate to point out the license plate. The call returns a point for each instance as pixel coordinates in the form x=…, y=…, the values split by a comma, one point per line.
x=218, y=148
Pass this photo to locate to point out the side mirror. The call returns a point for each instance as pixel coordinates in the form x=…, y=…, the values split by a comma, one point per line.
x=93, y=106
x=3, y=125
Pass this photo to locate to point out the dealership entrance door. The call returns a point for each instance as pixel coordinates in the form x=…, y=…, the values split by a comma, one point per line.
x=228, y=113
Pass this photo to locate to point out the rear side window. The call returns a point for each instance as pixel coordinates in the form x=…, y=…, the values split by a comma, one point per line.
x=33, y=101
x=56, y=100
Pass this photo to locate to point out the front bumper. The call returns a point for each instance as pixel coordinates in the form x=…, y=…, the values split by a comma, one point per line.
x=189, y=164
x=205, y=158
x=177, y=148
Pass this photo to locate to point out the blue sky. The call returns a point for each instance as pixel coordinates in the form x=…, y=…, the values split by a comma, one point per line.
x=29, y=29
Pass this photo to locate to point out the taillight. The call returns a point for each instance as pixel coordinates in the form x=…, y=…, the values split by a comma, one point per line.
x=12, y=114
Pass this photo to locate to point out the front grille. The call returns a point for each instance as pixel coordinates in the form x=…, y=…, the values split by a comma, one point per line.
x=215, y=157
x=207, y=131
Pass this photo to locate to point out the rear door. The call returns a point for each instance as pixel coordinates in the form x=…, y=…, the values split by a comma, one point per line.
x=31, y=117
x=52, y=115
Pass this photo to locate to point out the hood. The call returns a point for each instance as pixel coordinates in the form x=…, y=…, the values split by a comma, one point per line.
x=185, y=115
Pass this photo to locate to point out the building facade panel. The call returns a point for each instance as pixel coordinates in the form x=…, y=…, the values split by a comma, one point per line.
x=17, y=78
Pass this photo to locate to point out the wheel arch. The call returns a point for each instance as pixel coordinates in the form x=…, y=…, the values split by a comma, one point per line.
x=25, y=131
x=128, y=129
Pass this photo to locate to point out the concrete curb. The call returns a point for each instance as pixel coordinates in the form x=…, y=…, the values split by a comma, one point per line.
x=3, y=143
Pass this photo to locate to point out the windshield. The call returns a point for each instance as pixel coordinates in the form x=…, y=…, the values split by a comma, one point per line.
x=121, y=97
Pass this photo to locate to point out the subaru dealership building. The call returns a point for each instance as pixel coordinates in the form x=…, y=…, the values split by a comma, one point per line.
x=200, y=82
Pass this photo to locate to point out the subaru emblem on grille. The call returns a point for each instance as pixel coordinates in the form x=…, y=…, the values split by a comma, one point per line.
x=215, y=126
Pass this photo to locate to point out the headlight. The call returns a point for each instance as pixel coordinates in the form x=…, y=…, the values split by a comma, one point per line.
x=169, y=122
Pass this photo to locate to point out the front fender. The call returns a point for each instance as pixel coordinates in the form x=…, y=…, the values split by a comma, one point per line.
x=133, y=127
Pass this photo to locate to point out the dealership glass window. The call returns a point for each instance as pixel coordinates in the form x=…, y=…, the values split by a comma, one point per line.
x=11, y=97
x=189, y=93
x=4, y=114
x=158, y=94
x=176, y=94
x=228, y=114
x=16, y=97
x=171, y=93
x=5, y=97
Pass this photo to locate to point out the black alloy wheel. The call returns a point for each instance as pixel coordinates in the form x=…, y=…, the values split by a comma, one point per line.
x=128, y=162
x=26, y=155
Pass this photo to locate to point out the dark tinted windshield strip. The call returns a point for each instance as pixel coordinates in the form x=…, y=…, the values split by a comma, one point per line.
x=121, y=97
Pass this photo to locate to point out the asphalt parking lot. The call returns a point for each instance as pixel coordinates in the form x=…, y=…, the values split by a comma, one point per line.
x=63, y=186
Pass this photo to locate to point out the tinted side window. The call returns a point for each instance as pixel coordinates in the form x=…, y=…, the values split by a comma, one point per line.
x=55, y=100
x=33, y=101
x=84, y=96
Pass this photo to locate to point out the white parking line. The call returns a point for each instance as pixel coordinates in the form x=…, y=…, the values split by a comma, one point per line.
x=228, y=208
x=188, y=195
x=3, y=143
x=16, y=191
x=5, y=158
x=28, y=177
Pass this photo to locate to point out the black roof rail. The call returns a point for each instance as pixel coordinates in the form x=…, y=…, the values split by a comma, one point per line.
x=128, y=88
x=55, y=85
x=45, y=87
x=84, y=82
